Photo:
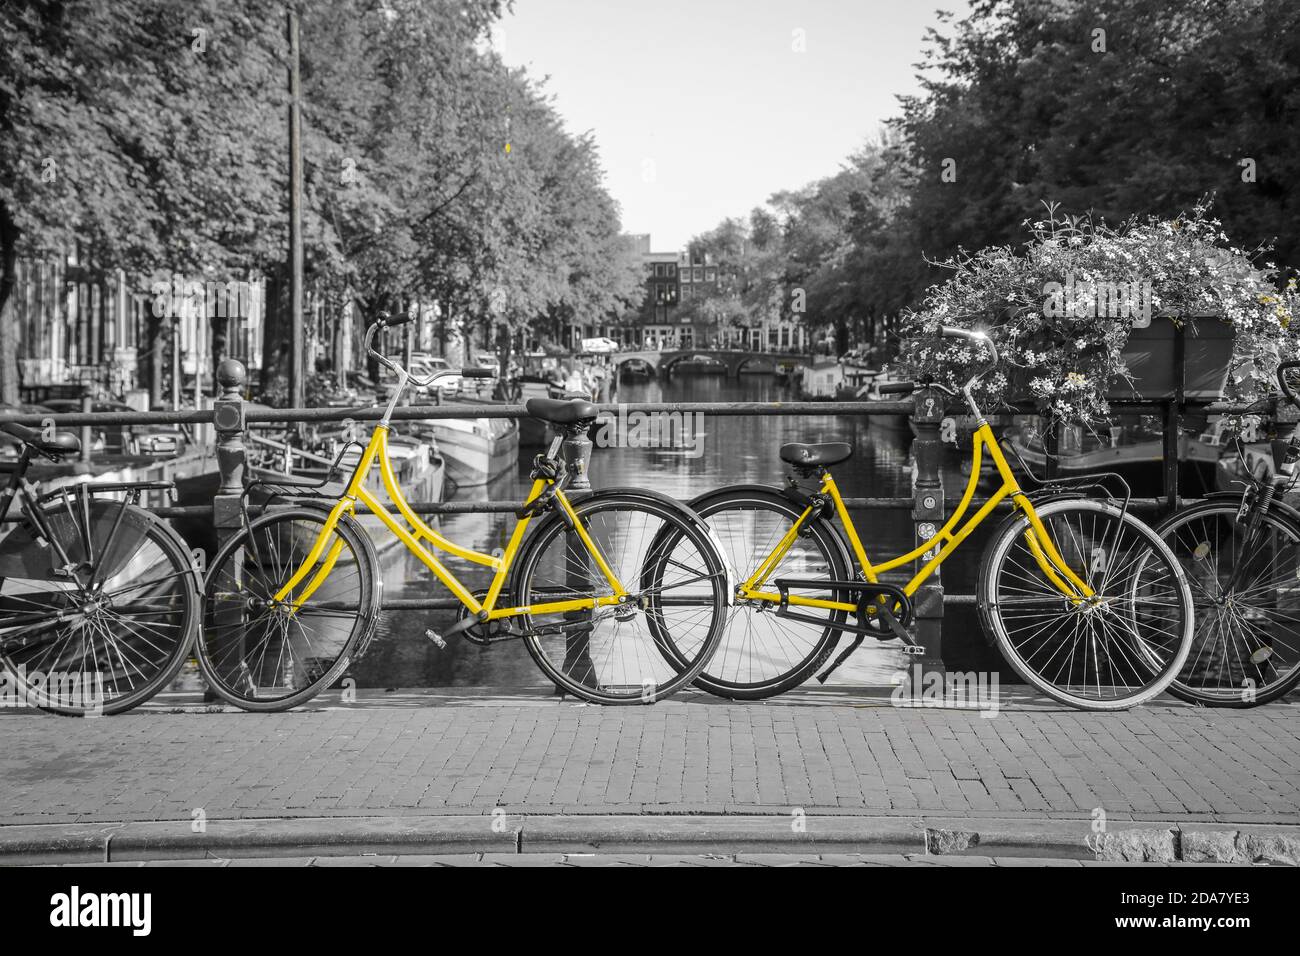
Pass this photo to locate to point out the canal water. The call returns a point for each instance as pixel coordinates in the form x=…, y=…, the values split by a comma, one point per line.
x=733, y=449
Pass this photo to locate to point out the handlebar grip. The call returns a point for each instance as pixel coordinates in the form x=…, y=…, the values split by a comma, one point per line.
x=392, y=321
x=896, y=388
x=1282, y=383
x=477, y=373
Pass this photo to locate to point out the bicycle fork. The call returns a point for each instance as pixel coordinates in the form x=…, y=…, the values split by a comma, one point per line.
x=1050, y=561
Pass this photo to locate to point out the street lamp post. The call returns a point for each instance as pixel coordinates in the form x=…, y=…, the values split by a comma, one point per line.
x=296, y=358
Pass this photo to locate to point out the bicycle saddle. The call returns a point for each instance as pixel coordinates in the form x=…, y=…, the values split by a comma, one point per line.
x=560, y=411
x=827, y=453
x=63, y=443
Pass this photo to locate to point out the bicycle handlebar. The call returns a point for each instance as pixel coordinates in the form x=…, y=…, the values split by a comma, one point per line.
x=387, y=321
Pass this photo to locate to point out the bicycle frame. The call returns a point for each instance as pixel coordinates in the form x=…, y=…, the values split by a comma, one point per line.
x=936, y=550
x=377, y=451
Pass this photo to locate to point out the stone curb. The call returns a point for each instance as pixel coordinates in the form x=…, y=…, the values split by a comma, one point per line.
x=501, y=833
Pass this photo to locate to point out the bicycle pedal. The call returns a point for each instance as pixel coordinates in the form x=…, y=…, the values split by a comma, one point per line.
x=915, y=650
x=434, y=636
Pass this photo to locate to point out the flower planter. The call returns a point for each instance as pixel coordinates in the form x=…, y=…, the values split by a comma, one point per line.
x=1151, y=354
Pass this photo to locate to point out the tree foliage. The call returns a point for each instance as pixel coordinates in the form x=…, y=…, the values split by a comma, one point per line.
x=1117, y=108
x=154, y=133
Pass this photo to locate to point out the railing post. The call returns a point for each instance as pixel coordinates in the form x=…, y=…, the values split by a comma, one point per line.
x=576, y=453
x=88, y=406
x=927, y=517
x=228, y=423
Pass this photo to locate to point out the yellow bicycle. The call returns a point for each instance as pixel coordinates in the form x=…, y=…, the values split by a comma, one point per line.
x=1084, y=601
x=602, y=578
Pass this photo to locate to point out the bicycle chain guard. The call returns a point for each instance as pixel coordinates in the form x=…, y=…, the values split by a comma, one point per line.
x=864, y=594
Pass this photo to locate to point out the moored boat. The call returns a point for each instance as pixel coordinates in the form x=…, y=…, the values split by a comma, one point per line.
x=534, y=433
x=476, y=450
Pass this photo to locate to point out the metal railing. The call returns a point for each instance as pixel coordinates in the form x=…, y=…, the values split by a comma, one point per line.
x=231, y=415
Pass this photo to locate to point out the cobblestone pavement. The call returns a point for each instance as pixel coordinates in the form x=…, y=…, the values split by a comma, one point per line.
x=467, y=752
x=634, y=859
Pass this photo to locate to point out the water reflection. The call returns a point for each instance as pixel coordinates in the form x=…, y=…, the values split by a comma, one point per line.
x=734, y=450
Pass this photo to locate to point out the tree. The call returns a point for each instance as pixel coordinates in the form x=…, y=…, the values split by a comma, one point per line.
x=141, y=130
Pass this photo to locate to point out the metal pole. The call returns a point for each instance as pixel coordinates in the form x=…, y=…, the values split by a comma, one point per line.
x=88, y=405
x=927, y=517
x=227, y=515
x=296, y=358
x=176, y=363
x=1174, y=418
x=576, y=453
x=228, y=423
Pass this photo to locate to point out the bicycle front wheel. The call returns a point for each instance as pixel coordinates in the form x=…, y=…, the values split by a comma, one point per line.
x=1119, y=646
x=677, y=591
x=266, y=654
x=1246, y=588
x=108, y=630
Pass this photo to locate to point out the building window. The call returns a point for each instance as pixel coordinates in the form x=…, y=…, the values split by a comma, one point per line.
x=711, y=275
x=672, y=270
x=659, y=269
x=699, y=274
x=686, y=275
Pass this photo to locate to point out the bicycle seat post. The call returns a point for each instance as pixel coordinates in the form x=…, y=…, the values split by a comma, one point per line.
x=575, y=452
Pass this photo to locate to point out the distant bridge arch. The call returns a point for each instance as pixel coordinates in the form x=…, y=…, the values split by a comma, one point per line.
x=735, y=360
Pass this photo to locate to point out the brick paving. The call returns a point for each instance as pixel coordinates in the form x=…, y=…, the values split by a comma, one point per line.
x=631, y=859
x=526, y=753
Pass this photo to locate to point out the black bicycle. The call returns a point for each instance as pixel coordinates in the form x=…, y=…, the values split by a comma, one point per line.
x=99, y=599
x=1241, y=553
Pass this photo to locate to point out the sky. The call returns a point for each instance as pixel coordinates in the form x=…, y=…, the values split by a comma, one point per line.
x=704, y=108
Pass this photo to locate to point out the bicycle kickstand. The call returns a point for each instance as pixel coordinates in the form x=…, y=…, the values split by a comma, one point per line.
x=910, y=646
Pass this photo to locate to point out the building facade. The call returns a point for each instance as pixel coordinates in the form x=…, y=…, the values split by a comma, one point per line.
x=674, y=282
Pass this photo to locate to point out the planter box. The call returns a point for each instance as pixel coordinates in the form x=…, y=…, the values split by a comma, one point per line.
x=1151, y=354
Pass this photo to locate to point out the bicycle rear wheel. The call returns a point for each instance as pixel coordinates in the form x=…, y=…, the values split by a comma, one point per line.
x=266, y=655
x=760, y=654
x=111, y=629
x=677, y=582
x=1246, y=590
x=1118, y=648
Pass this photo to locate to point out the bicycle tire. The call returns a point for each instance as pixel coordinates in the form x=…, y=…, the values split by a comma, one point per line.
x=1210, y=611
x=995, y=576
x=140, y=559
x=831, y=561
x=231, y=587
x=609, y=681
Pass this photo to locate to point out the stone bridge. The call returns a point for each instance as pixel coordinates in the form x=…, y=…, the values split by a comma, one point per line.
x=736, y=360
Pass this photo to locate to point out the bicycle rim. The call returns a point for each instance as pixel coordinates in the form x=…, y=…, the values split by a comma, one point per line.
x=1116, y=649
x=264, y=654
x=761, y=654
x=128, y=608
x=1246, y=593
x=613, y=655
